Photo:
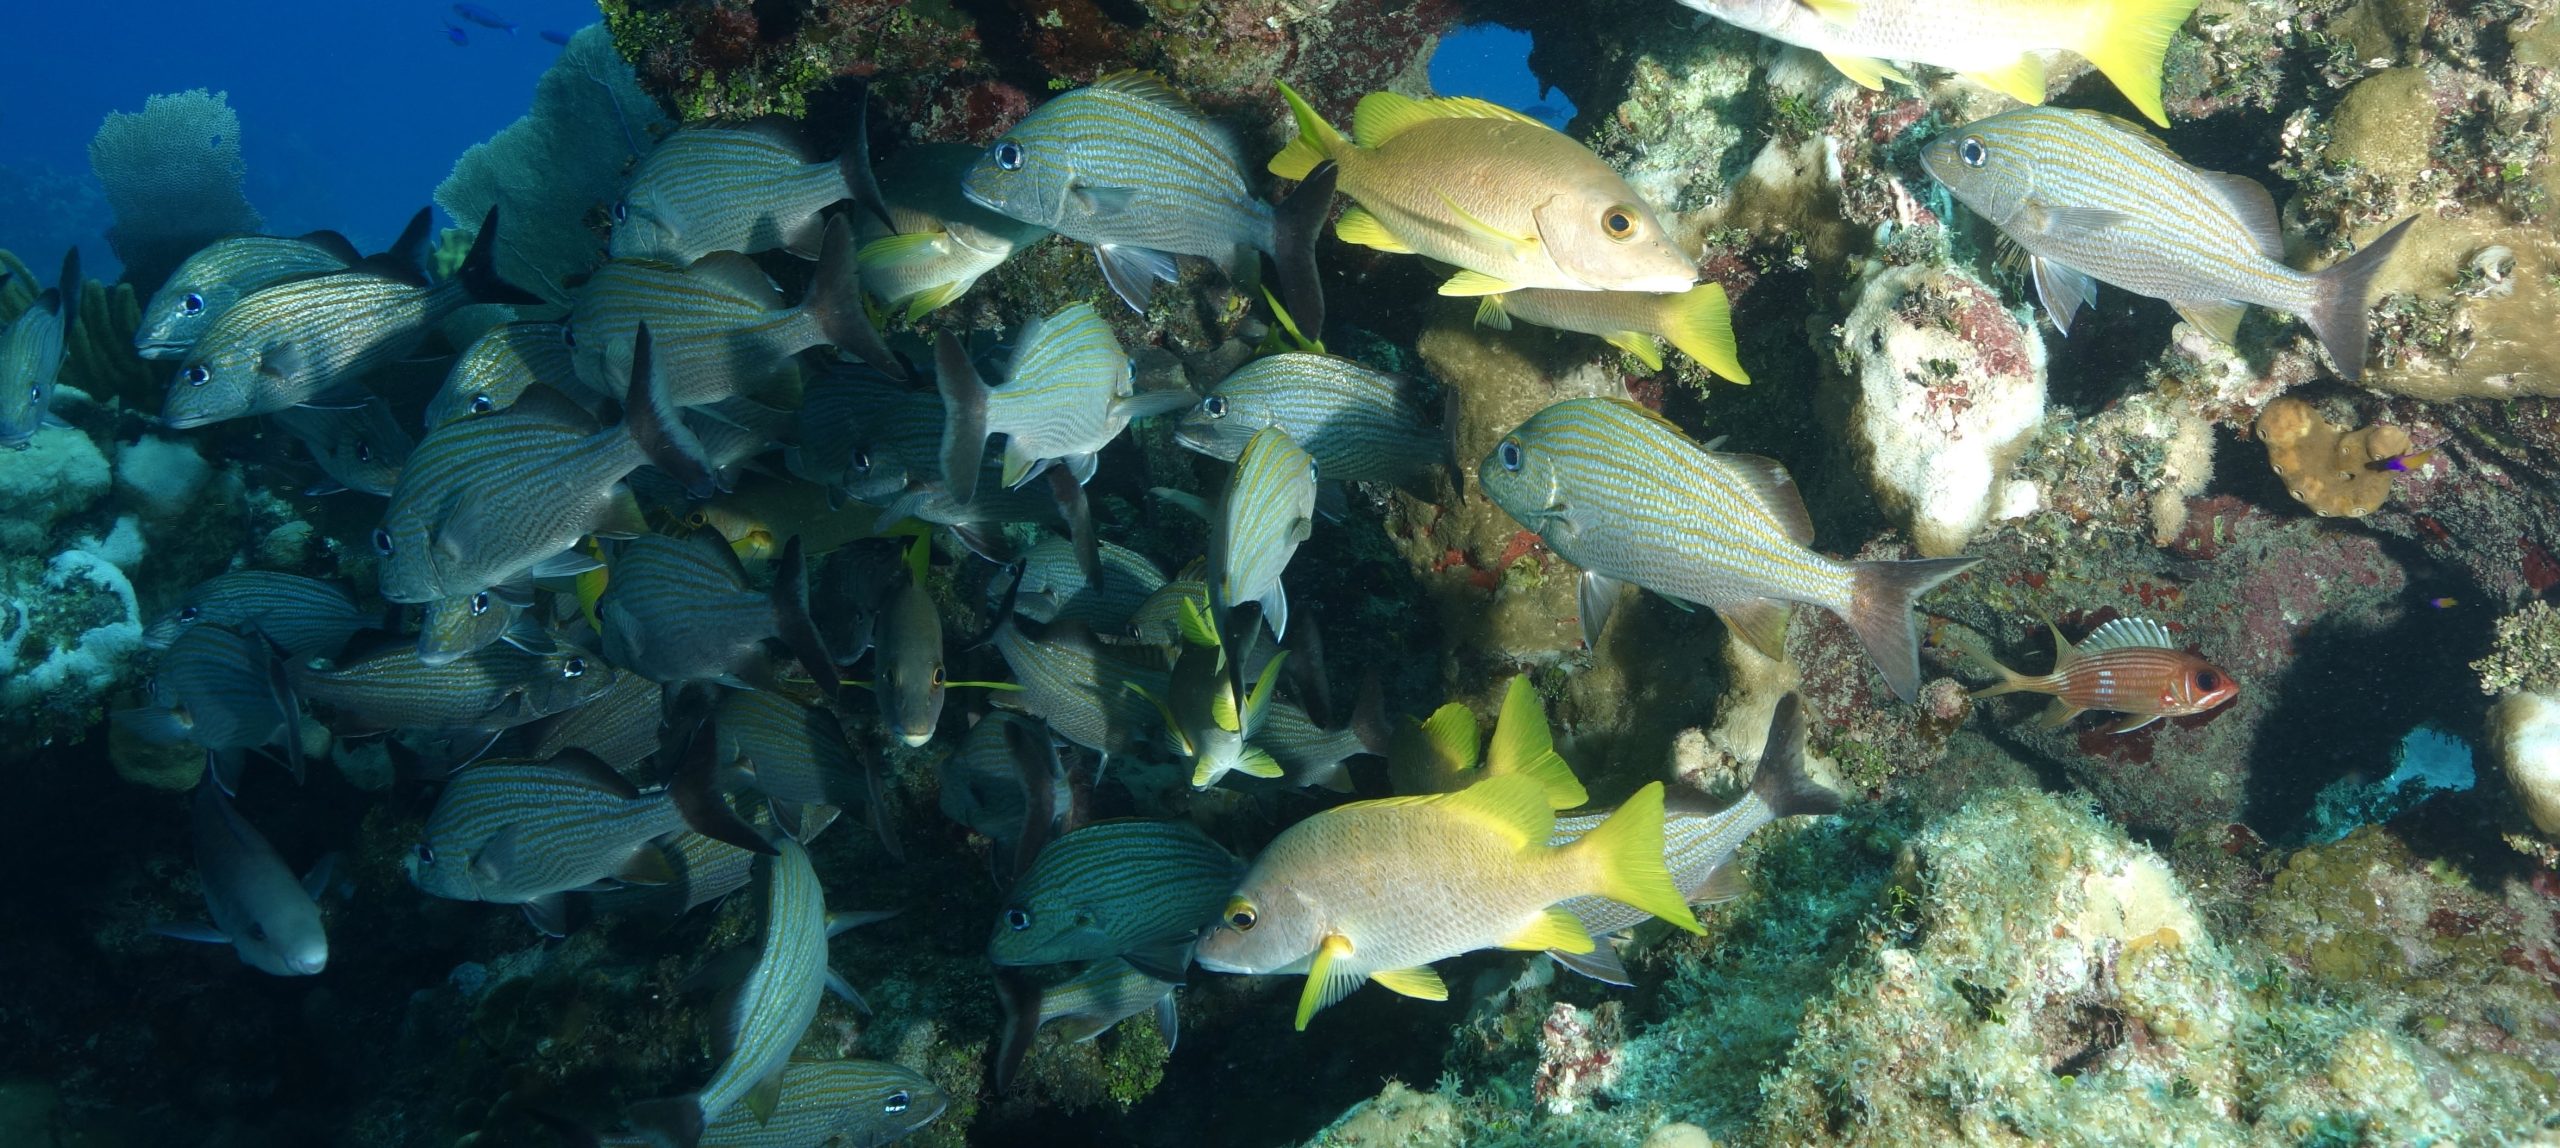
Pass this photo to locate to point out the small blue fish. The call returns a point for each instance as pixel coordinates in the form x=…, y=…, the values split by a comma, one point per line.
x=2403, y=463
x=459, y=38
x=485, y=18
x=556, y=36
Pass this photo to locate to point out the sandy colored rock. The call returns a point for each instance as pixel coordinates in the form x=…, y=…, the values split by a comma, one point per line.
x=2327, y=467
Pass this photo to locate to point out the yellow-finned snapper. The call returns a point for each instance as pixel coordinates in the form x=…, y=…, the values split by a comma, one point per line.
x=257, y=905
x=222, y=690
x=719, y=321
x=1216, y=697
x=1129, y=166
x=1699, y=839
x=307, y=341
x=359, y=448
x=1439, y=754
x=32, y=349
x=937, y=240
x=1269, y=508
x=746, y=188
x=2092, y=197
x=1511, y=202
x=1994, y=43
x=499, y=365
x=772, y=1010
x=1359, y=424
x=1083, y=1006
x=1131, y=888
x=1377, y=890
x=1158, y=620
x=223, y=273
x=1698, y=321
x=1068, y=393
x=304, y=617
x=618, y=727
x=907, y=658
x=1620, y=492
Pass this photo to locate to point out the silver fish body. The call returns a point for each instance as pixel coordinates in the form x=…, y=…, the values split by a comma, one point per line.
x=515, y=832
x=32, y=349
x=1269, y=509
x=305, y=617
x=907, y=664
x=845, y=1103
x=795, y=754
x=360, y=448
x=1358, y=424
x=225, y=272
x=678, y=610
x=747, y=189
x=1054, y=586
x=942, y=241
x=258, y=906
x=499, y=365
x=493, y=688
x=1080, y=687
x=1130, y=888
x=218, y=688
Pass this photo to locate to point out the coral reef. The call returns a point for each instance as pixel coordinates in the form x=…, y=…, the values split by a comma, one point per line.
x=172, y=172
x=2337, y=472
x=2524, y=733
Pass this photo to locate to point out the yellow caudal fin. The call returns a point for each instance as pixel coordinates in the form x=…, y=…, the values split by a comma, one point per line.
x=1523, y=745
x=2130, y=44
x=1699, y=322
x=1866, y=73
x=1316, y=143
x=2022, y=80
x=1625, y=855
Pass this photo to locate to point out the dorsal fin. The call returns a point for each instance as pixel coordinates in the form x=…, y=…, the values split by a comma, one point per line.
x=739, y=276
x=1523, y=744
x=334, y=245
x=1383, y=116
x=1146, y=86
x=1513, y=805
x=2250, y=201
x=1776, y=491
x=1451, y=732
x=775, y=130
x=593, y=773
x=2128, y=633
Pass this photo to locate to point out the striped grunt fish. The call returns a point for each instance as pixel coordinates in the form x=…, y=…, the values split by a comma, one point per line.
x=619, y=727
x=359, y=448
x=305, y=617
x=1079, y=686
x=2092, y=198
x=493, y=688
x=1620, y=492
x=1698, y=321
x=1006, y=784
x=1158, y=620
x=1358, y=424
x=772, y=1009
x=1377, y=890
x=32, y=349
x=849, y=1103
x=720, y=323
x=1053, y=586
x=793, y=753
x=225, y=272
x=456, y=626
x=223, y=690
x=493, y=500
x=257, y=905
x=743, y=188
x=307, y=341
x=1310, y=754
x=1130, y=166
x=1995, y=43
x=942, y=240
x=499, y=365
x=679, y=610
x=1083, y=1006
x=2130, y=666
x=1131, y=888
x=1699, y=841
x=1508, y=200
x=1269, y=508
x=1066, y=396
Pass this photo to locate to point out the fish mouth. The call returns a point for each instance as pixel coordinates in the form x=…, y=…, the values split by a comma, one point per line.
x=980, y=198
x=914, y=739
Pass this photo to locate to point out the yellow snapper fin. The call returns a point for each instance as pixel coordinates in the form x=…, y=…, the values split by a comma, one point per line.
x=1171, y=726
x=1635, y=343
x=1383, y=116
x=1625, y=858
x=1518, y=242
x=2022, y=80
x=1316, y=142
x=2130, y=45
x=894, y=250
x=1476, y=283
x=1841, y=12
x=1523, y=744
x=1260, y=699
x=1257, y=762
x=1556, y=928
x=1452, y=733
x=2219, y=318
x=934, y=298
x=1329, y=977
x=1491, y=313
x=1866, y=72
x=1418, y=982
x=1699, y=322
x=1514, y=805
x=1358, y=226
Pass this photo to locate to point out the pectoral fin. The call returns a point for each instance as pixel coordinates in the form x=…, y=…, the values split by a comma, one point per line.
x=1329, y=977
x=2063, y=291
x=765, y=1096
x=2085, y=224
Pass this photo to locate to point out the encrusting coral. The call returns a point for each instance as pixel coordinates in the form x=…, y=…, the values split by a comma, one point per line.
x=172, y=172
x=2335, y=471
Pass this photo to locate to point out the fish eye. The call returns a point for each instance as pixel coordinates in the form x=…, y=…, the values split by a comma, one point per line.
x=861, y=463
x=189, y=613
x=364, y=453
x=1241, y=914
x=479, y=603
x=257, y=932
x=937, y=677
x=897, y=1102
x=196, y=376
x=1017, y=919
x=568, y=338
x=35, y=393
x=426, y=854
x=1618, y=223
x=191, y=303
x=1216, y=405
x=1009, y=156
x=1509, y=455
x=621, y=210
x=382, y=542
x=2208, y=681
x=1972, y=152
x=574, y=667
x=483, y=404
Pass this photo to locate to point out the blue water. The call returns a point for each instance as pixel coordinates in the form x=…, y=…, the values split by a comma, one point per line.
x=351, y=111
x=1491, y=62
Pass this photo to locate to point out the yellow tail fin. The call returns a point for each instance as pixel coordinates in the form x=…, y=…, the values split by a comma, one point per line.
x=2131, y=44
x=1700, y=323
x=1316, y=142
x=1626, y=856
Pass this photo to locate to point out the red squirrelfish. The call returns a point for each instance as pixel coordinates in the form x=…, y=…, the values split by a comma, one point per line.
x=2129, y=666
